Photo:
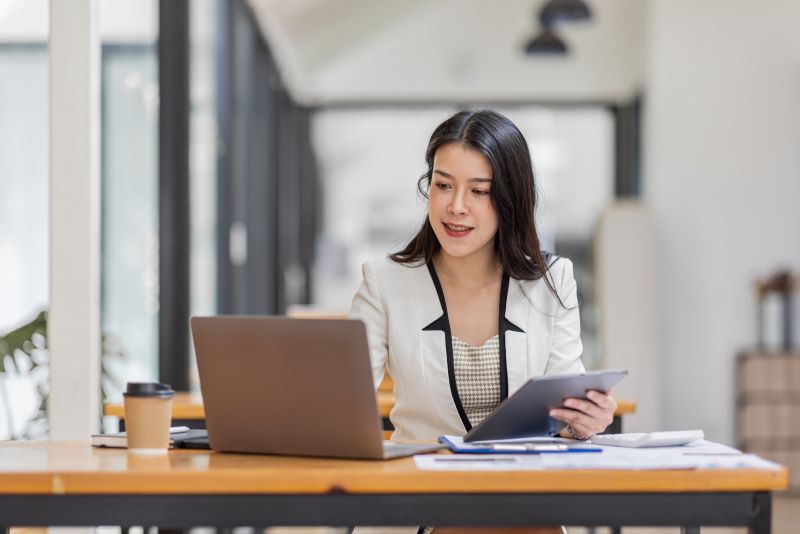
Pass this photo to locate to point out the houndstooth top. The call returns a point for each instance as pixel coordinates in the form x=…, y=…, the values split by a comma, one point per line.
x=477, y=372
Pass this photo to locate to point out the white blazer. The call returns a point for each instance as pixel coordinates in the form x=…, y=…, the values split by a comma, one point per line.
x=405, y=314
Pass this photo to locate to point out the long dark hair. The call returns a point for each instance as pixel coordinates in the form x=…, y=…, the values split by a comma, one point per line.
x=513, y=194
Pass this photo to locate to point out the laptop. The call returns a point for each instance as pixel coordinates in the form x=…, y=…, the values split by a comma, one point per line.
x=278, y=385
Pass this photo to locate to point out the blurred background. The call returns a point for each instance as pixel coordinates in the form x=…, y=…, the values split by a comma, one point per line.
x=665, y=137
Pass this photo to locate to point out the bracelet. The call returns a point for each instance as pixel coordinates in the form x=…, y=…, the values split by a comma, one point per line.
x=574, y=434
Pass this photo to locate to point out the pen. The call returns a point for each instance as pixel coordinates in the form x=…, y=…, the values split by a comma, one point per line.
x=505, y=460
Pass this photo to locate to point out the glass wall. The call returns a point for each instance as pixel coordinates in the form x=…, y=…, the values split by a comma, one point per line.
x=129, y=189
x=129, y=233
x=23, y=183
x=130, y=208
x=24, y=272
x=131, y=192
x=24, y=221
x=204, y=148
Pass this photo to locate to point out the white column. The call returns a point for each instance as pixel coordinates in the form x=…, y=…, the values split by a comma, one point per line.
x=628, y=282
x=73, y=329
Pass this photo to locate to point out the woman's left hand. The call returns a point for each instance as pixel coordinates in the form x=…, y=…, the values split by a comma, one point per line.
x=587, y=417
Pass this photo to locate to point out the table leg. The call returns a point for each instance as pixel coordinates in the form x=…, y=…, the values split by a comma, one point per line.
x=614, y=428
x=690, y=530
x=762, y=522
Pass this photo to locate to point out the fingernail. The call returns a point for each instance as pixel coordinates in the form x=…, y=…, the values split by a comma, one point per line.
x=553, y=413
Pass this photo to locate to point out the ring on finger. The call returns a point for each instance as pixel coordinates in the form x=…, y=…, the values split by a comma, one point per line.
x=574, y=434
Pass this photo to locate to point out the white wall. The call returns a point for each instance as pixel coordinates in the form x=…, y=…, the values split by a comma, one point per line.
x=722, y=174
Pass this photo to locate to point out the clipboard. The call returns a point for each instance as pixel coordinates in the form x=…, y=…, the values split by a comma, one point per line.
x=533, y=446
x=526, y=412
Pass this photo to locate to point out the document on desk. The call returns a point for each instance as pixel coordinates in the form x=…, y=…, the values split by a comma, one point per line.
x=699, y=455
x=532, y=445
x=478, y=462
x=619, y=458
x=710, y=455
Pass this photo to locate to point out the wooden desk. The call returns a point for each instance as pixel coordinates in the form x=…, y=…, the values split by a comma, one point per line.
x=185, y=406
x=187, y=409
x=71, y=484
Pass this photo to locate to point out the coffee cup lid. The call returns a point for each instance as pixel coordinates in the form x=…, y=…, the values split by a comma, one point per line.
x=149, y=389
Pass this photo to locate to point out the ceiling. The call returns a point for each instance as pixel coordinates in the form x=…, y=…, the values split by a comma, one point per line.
x=356, y=51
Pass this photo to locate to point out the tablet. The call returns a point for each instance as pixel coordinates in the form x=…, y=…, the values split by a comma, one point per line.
x=526, y=412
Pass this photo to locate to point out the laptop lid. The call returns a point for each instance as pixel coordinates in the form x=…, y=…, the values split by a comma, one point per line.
x=279, y=385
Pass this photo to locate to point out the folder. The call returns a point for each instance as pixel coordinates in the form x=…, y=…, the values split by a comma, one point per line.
x=534, y=445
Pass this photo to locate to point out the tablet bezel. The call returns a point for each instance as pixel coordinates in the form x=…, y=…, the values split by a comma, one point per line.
x=526, y=412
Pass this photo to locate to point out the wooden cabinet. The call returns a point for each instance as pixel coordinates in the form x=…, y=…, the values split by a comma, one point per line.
x=768, y=408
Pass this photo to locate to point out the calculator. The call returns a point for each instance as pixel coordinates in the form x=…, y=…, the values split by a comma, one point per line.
x=649, y=439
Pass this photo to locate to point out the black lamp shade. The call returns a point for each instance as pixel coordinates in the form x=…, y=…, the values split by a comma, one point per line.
x=556, y=11
x=547, y=42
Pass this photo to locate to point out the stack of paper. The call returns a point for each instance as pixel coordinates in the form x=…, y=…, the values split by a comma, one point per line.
x=699, y=455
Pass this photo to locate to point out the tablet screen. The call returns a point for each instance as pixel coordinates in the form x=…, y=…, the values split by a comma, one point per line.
x=526, y=412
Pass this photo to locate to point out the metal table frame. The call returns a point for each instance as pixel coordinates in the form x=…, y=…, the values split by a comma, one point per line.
x=688, y=510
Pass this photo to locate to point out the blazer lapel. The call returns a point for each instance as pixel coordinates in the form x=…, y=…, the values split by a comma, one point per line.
x=434, y=328
x=429, y=308
x=513, y=330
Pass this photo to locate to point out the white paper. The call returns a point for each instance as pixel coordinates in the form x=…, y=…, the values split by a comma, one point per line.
x=732, y=461
x=619, y=458
x=701, y=454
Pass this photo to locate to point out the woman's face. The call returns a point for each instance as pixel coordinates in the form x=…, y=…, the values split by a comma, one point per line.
x=460, y=208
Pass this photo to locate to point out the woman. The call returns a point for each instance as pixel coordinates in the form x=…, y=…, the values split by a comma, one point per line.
x=471, y=308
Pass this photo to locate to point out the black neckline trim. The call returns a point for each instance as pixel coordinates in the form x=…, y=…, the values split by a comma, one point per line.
x=443, y=324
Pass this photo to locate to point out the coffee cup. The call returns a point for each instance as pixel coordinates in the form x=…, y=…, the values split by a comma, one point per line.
x=148, y=413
